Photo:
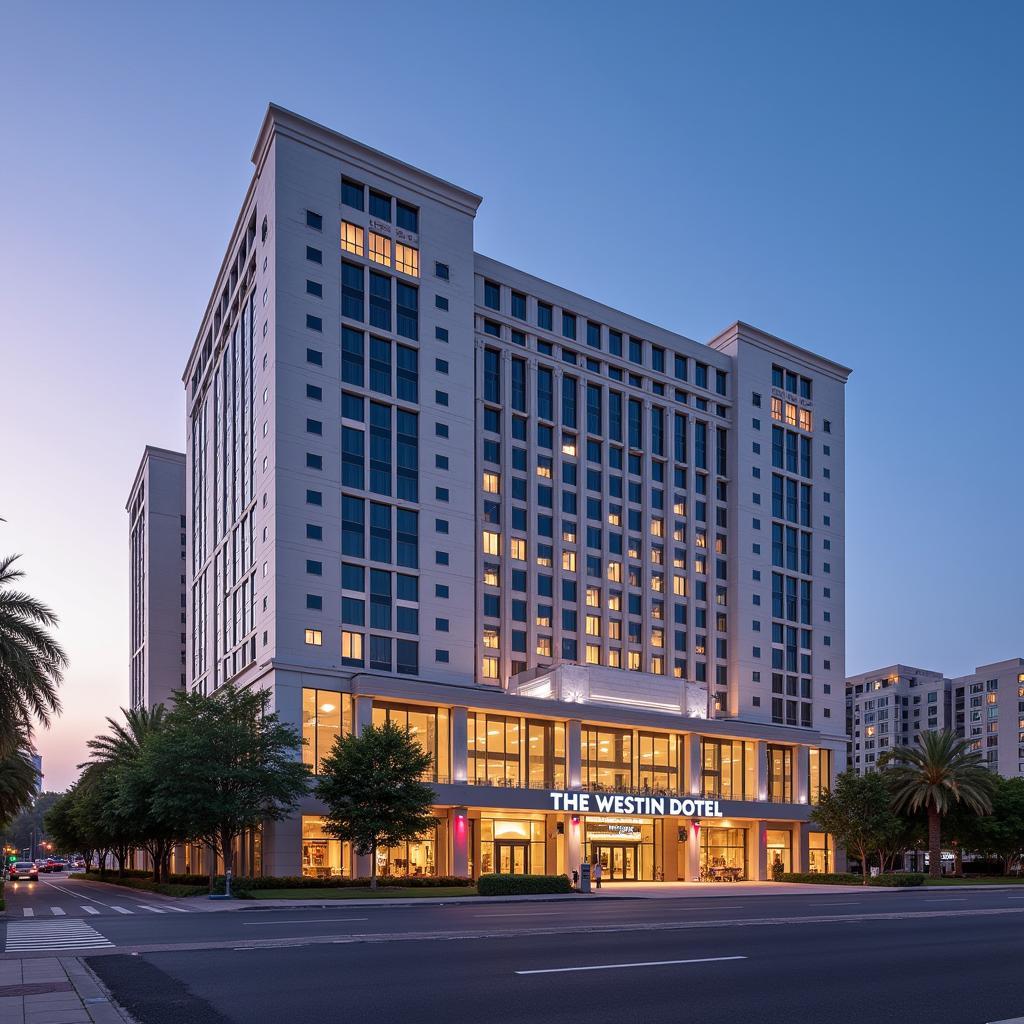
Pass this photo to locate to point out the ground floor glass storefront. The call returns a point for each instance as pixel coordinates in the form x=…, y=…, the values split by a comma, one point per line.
x=510, y=844
x=723, y=854
x=624, y=847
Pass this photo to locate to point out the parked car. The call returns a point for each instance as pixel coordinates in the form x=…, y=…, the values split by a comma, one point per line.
x=56, y=864
x=23, y=871
x=40, y=863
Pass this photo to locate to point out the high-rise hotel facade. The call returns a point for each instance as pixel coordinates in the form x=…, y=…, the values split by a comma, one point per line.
x=595, y=567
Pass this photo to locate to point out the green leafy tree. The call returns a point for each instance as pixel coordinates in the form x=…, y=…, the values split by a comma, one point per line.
x=857, y=812
x=29, y=822
x=223, y=765
x=1001, y=833
x=103, y=831
x=64, y=829
x=372, y=786
x=32, y=663
x=936, y=775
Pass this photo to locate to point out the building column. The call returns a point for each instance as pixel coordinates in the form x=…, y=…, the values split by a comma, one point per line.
x=459, y=827
x=761, y=758
x=574, y=752
x=801, y=784
x=757, y=851
x=282, y=846
x=573, y=853
x=460, y=739
x=362, y=715
x=670, y=849
x=801, y=846
x=691, y=764
x=692, y=851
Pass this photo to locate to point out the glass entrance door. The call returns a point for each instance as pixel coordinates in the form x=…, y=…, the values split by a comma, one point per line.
x=619, y=862
x=513, y=856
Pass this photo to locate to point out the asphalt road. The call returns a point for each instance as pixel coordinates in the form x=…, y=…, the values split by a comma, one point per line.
x=932, y=955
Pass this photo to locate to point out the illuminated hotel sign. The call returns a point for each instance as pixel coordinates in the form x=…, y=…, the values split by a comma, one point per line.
x=651, y=806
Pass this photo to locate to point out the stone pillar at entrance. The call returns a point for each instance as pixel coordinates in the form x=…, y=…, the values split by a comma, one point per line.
x=691, y=764
x=459, y=828
x=573, y=851
x=757, y=851
x=692, y=851
x=803, y=774
x=761, y=760
x=573, y=753
x=801, y=857
x=670, y=849
x=460, y=734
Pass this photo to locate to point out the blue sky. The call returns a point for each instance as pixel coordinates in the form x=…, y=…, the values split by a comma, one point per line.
x=845, y=176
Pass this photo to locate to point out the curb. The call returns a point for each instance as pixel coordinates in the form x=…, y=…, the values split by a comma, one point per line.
x=98, y=1002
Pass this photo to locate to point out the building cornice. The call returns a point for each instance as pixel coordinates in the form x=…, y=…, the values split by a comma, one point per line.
x=740, y=331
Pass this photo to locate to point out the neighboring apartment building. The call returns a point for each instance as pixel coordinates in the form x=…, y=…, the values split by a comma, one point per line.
x=889, y=707
x=597, y=568
x=156, y=572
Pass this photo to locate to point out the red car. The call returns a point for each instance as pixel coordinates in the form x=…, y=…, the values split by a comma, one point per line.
x=55, y=864
x=23, y=871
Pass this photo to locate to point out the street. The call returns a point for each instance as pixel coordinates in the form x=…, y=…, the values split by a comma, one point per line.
x=930, y=955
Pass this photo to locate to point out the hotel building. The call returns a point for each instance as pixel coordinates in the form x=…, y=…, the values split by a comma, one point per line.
x=889, y=707
x=156, y=575
x=595, y=567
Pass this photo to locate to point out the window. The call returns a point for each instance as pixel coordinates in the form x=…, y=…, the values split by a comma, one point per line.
x=380, y=301
x=314, y=220
x=380, y=249
x=407, y=217
x=314, y=323
x=314, y=637
x=380, y=205
x=519, y=306
x=314, y=356
x=352, y=193
x=314, y=255
x=407, y=259
x=351, y=648
x=351, y=238
x=492, y=295
x=407, y=301
x=315, y=288
x=352, y=291
x=441, y=270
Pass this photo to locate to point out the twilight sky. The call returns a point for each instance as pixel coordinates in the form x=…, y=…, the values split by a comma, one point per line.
x=845, y=176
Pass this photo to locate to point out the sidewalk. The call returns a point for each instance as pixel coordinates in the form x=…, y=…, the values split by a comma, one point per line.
x=52, y=991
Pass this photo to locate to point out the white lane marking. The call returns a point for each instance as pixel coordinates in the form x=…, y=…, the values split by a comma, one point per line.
x=48, y=935
x=177, y=910
x=121, y=910
x=946, y=899
x=318, y=920
x=539, y=913
x=57, y=911
x=71, y=892
x=29, y=912
x=88, y=909
x=154, y=910
x=852, y=903
x=615, y=967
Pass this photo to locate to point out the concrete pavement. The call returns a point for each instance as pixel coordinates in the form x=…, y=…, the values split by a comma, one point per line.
x=53, y=991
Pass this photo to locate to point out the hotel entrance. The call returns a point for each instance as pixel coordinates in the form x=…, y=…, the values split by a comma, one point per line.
x=619, y=862
x=512, y=856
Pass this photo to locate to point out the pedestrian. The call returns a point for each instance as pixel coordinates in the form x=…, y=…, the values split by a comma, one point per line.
x=575, y=879
x=597, y=873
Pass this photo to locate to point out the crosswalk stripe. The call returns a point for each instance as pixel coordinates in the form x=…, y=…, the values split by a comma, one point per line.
x=153, y=910
x=177, y=910
x=46, y=936
x=29, y=912
x=88, y=909
x=120, y=910
x=56, y=911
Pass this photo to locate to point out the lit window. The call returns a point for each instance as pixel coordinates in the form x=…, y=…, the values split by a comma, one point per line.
x=351, y=645
x=869, y=731
x=593, y=597
x=615, y=572
x=492, y=543
x=593, y=625
x=614, y=519
x=657, y=582
x=492, y=482
x=491, y=636
x=677, y=671
x=314, y=637
x=544, y=469
x=657, y=638
x=489, y=667
x=805, y=419
x=700, y=539
x=634, y=661
x=700, y=565
x=545, y=561
x=517, y=548
x=569, y=561
x=380, y=249
x=658, y=664
x=614, y=630
x=544, y=646
x=679, y=508
x=615, y=602
x=657, y=527
x=776, y=408
x=791, y=414
x=593, y=654
x=407, y=259
x=615, y=658
x=491, y=575
x=679, y=586
x=544, y=619
x=568, y=445
x=352, y=238
x=569, y=533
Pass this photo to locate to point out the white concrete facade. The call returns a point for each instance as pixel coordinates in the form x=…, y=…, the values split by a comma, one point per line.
x=156, y=572
x=417, y=476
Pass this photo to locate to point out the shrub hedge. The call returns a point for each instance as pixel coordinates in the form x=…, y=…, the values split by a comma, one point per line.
x=146, y=883
x=240, y=884
x=899, y=880
x=522, y=885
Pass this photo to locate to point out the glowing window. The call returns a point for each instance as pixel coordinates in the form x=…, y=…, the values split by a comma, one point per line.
x=492, y=542
x=380, y=249
x=657, y=638
x=791, y=414
x=657, y=527
x=568, y=445
x=569, y=561
x=593, y=625
x=805, y=419
x=614, y=630
x=351, y=238
x=657, y=582
x=593, y=597
x=492, y=482
x=491, y=636
x=545, y=561
x=593, y=654
x=407, y=259
x=352, y=645
x=657, y=664
x=615, y=602
x=776, y=408
x=679, y=586
x=314, y=637
x=615, y=659
x=614, y=519
x=489, y=667
x=615, y=572
x=544, y=646
x=492, y=575
x=517, y=548
x=633, y=663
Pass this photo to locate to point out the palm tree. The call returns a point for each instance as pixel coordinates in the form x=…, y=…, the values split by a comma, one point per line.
x=125, y=741
x=936, y=775
x=19, y=780
x=32, y=663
